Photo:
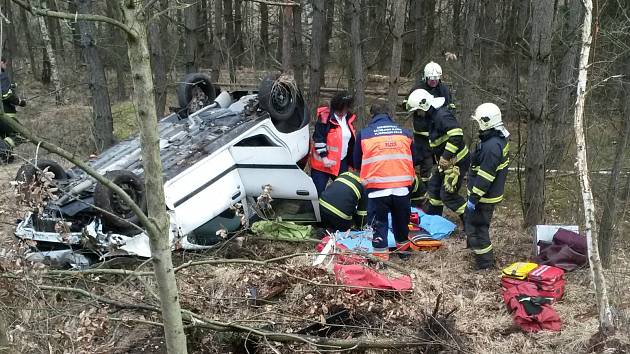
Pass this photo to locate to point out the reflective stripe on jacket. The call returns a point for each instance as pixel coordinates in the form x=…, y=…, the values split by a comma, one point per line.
x=327, y=140
x=488, y=172
x=446, y=137
x=386, y=155
x=345, y=197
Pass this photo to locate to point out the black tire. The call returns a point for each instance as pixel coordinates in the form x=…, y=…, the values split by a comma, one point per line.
x=185, y=90
x=28, y=172
x=277, y=98
x=6, y=152
x=105, y=199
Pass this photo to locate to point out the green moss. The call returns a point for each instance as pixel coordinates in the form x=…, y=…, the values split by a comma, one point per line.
x=124, y=116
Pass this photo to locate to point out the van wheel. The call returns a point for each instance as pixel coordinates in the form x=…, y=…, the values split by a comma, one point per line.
x=29, y=171
x=195, y=92
x=119, y=216
x=277, y=97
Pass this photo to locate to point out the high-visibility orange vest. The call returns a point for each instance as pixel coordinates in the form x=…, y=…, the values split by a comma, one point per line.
x=387, y=160
x=334, y=140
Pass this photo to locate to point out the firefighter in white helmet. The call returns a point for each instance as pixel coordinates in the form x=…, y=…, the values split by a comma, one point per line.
x=432, y=83
x=445, y=141
x=486, y=180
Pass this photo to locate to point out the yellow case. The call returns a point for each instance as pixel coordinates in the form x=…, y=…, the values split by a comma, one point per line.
x=519, y=270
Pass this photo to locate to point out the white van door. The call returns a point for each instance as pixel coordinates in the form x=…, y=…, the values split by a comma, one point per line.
x=261, y=161
x=204, y=190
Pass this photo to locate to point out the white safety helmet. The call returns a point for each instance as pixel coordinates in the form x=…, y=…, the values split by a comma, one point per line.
x=432, y=71
x=421, y=99
x=488, y=116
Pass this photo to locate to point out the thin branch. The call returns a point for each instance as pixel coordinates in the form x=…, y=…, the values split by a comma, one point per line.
x=75, y=17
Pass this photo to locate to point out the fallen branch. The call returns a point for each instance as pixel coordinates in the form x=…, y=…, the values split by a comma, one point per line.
x=203, y=322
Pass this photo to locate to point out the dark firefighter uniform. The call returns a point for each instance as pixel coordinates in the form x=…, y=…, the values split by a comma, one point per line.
x=486, y=181
x=416, y=192
x=385, y=153
x=423, y=157
x=10, y=100
x=446, y=139
x=344, y=203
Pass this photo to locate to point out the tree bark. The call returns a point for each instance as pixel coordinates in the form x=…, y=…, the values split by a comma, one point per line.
x=103, y=124
x=590, y=226
x=607, y=234
x=317, y=34
x=538, y=78
x=398, y=13
x=219, y=32
x=10, y=38
x=330, y=22
x=470, y=68
x=418, y=36
x=158, y=63
x=457, y=32
x=298, y=46
x=357, y=60
x=562, y=120
x=52, y=61
x=139, y=59
x=229, y=38
x=264, y=34
x=191, y=36
x=54, y=29
x=287, y=39
x=239, y=47
x=118, y=55
x=29, y=44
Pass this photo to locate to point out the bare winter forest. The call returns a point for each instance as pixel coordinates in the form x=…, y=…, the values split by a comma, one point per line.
x=95, y=74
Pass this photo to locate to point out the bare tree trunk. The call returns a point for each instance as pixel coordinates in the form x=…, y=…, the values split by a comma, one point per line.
x=298, y=46
x=357, y=59
x=264, y=34
x=54, y=73
x=191, y=36
x=398, y=13
x=287, y=34
x=229, y=38
x=54, y=29
x=10, y=38
x=317, y=33
x=159, y=66
x=147, y=121
x=470, y=69
x=562, y=120
x=590, y=226
x=29, y=44
x=118, y=55
x=239, y=47
x=418, y=42
x=103, y=124
x=457, y=32
x=219, y=32
x=540, y=52
x=330, y=22
x=607, y=234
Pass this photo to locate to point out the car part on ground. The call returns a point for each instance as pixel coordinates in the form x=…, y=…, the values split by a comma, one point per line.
x=218, y=156
x=29, y=171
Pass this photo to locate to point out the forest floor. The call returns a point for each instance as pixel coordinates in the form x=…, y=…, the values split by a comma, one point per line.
x=56, y=322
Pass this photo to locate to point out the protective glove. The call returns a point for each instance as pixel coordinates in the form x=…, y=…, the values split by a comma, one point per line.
x=445, y=164
x=471, y=204
x=451, y=176
x=451, y=106
x=22, y=103
x=328, y=162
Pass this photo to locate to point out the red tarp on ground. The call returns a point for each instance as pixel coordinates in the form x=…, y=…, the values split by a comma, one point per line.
x=360, y=275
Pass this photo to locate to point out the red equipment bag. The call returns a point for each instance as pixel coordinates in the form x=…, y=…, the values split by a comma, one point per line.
x=507, y=282
x=549, y=280
x=530, y=310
